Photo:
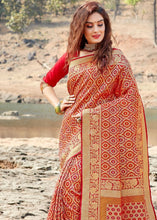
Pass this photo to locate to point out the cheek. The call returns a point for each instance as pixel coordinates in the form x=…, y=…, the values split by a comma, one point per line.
x=103, y=30
x=87, y=33
x=103, y=33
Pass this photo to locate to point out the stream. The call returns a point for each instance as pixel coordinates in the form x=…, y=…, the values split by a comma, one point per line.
x=40, y=120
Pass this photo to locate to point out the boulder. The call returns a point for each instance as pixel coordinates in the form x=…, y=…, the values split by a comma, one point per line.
x=31, y=55
x=29, y=42
x=10, y=113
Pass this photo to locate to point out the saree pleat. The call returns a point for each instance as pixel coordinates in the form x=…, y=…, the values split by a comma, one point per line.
x=66, y=201
x=110, y=146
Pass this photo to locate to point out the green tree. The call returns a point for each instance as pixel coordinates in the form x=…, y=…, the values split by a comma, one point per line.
x=55, y=6
x=58, y=6
x=18, y=21
x=109, y=4
x=34, y=9
x=15, y=14
x=11, y=6
x=20, y=13
x=2, y=9
x=132, y=2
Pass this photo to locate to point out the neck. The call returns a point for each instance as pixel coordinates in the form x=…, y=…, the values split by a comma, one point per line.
x=90, y=47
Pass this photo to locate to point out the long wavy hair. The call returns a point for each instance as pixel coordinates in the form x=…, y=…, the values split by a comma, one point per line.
x=77, y=40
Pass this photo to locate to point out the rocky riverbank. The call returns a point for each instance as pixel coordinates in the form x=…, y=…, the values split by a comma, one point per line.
x=29, y=169
x=24, y=61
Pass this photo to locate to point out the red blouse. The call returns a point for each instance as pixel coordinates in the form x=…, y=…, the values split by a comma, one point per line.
x=58, y=71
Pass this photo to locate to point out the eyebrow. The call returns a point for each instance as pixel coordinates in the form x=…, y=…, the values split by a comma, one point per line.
x=94, y=22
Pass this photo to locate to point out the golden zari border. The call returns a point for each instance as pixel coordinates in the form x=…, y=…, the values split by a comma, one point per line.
x=96, y=203
x=81, y=60
x=90, y=178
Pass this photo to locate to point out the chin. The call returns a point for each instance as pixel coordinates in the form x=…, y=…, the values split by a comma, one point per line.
x=96, y=41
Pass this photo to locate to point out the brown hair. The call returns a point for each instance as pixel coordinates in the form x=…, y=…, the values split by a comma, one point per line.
x=77, y=40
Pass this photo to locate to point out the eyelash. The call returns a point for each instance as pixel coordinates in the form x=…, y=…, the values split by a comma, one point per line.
x=99, y=25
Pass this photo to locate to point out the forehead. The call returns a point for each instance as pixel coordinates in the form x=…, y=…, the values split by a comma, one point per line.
x=95, y=17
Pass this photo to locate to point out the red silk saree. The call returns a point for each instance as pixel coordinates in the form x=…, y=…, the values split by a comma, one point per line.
x=104, y=159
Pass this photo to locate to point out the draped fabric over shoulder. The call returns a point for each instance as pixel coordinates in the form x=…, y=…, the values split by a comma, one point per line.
x=104, y=159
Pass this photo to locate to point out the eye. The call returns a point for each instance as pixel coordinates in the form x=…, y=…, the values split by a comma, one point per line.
x=89, y=26
x=100, y=25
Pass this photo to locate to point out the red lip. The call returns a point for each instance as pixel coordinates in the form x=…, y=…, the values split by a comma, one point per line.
x=96, y=36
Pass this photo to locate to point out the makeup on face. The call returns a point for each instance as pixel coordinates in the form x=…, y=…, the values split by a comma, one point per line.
x=94, y=28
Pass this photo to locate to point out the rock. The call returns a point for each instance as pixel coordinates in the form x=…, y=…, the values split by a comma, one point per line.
x=46, y=168
x=10, y=113
x=31, y=56
x=32, y=100
x=27, y=214
x=139, y=77
x=3, y=61
x=40, y=46
x=152, y=77
x=10, y=69
x=14, y=98
x=46, y=54
x=17, y=44
x=5, y=53
x=27, y=188
x=29, y=42
x=11, y=98
x=29, y=77
x=155, y=176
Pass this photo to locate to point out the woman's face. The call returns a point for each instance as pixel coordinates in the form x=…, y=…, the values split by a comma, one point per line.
x=94, y=30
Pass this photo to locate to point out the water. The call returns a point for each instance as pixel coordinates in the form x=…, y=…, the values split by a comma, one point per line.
x=43, y=122
x=151, y=119
x=36, y=120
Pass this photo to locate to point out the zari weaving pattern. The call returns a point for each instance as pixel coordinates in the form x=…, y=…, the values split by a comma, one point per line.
x=107, y=151
x=114, y=142
x=66, y=201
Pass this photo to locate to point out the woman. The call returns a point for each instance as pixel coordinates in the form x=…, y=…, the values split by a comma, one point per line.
x=103, y=143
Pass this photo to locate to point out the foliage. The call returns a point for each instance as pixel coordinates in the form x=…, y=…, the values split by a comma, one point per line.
x=20, y=13
x=11, y=6
x=132, y=2
x=58, y=6
x=34, y=9
x=109, y=4
x=55, y=6
x=2, y=9
x=18, y=21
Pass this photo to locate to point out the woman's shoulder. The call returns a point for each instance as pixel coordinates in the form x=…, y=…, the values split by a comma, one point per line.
x=119, y=57
x=117, y=51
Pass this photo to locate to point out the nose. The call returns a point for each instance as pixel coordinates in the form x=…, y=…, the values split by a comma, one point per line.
x=95, y=28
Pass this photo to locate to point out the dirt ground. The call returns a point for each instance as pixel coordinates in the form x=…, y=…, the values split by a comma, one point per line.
x=18, y=75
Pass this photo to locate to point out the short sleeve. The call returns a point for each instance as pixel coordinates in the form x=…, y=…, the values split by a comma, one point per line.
x=58, y=71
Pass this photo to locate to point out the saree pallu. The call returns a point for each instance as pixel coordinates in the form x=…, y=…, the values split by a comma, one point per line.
x=107, y=151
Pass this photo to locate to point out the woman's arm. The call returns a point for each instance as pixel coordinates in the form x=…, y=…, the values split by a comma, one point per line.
x=58, y=71
x=51, y=96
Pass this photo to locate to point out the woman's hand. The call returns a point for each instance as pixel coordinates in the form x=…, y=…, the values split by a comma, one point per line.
x=67, y=102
